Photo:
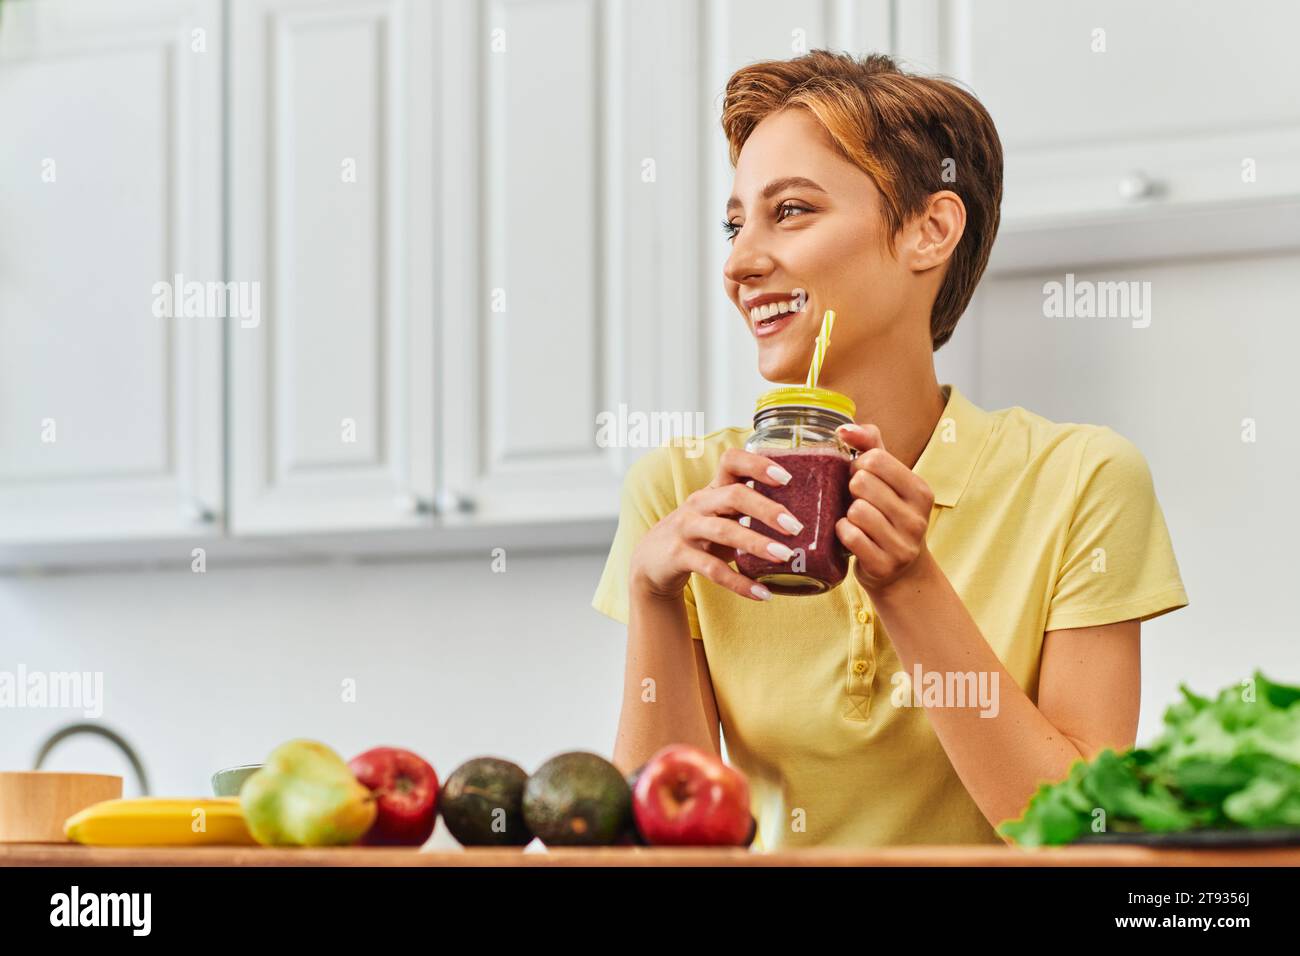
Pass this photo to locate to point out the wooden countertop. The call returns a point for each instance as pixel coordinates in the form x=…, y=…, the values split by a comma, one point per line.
x=35, y=854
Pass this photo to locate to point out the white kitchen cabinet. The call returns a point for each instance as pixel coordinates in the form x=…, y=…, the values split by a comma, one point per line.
x=110, y=183
x=331, y=158
x=568, y=249
x=475, y=227
x=1110, y=107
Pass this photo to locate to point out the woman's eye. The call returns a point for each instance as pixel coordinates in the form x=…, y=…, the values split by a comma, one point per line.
x=785, y=208
x=729, y=228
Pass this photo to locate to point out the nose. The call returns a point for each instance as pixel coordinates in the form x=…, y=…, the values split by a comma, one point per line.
x=747, y=260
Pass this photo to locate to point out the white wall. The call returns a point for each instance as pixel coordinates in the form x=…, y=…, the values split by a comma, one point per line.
x=203, y=671
x=1221, y=347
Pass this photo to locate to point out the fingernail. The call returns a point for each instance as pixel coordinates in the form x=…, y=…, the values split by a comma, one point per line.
x=789, y=522
x=851, y=428
x=760, y=592
x=779, y=551
x=780, y=474
x=744, y=521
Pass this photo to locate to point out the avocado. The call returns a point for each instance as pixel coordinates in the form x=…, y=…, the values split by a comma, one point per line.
x=482, y=803
x=577, y=799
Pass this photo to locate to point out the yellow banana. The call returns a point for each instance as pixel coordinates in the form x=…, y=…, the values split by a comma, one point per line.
x=161, y=821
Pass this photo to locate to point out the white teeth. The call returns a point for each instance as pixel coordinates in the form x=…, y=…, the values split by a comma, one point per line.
x=771, y=309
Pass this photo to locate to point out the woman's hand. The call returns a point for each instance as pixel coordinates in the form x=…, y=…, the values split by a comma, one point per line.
x=890, y=514
x=702, y=536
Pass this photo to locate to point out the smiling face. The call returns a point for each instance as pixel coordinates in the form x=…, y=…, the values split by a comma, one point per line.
x=821, y=230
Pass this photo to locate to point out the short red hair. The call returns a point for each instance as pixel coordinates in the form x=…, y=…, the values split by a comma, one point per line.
x=899, y=128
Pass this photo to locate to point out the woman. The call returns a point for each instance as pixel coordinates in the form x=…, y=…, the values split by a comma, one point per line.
x=987, y=635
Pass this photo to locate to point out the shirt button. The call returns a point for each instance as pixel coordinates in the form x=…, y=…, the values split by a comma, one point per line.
x=859, y=667
x=863, y=616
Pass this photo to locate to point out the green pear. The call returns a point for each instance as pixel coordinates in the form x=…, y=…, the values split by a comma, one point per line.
x=305, y=795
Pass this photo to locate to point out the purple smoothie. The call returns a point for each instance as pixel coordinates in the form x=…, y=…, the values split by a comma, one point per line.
x=818, y=495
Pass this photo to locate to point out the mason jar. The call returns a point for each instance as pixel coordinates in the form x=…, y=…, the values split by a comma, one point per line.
x=795, y=427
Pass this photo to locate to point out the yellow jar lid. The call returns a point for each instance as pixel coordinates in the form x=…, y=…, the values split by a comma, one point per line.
x=801, y=396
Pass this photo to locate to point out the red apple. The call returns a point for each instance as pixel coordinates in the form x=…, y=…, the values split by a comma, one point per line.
x=686, y=797
x=406, y=790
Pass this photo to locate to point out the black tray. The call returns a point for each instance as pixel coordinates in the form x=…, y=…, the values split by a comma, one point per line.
x=1278, y=836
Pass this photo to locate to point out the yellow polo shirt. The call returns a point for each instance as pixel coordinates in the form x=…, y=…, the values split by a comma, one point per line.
x=1038, y=525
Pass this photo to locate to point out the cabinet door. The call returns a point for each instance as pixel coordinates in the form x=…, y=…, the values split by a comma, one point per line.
x=524, y=317
x=331, y=170
x=1109, y=106
x=110, y=189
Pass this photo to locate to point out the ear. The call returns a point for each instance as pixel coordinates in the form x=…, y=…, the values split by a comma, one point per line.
x=931, y=236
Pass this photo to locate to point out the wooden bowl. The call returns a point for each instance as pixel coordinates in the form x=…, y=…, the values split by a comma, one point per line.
x=34, y=803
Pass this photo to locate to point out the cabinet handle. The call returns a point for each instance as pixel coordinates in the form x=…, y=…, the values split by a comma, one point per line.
x=1138, y=185
x=199, y=513
x=452, y=502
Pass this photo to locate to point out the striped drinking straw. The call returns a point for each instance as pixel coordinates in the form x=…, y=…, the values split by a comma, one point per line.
x=819, y=355
x=819, y=348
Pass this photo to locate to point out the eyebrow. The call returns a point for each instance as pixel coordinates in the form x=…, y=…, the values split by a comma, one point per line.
x=776, y=186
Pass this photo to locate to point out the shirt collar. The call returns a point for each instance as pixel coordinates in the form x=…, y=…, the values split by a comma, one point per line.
x=949, y=458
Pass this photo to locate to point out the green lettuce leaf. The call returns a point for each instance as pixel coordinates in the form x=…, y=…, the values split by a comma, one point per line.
x=1228, y=761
